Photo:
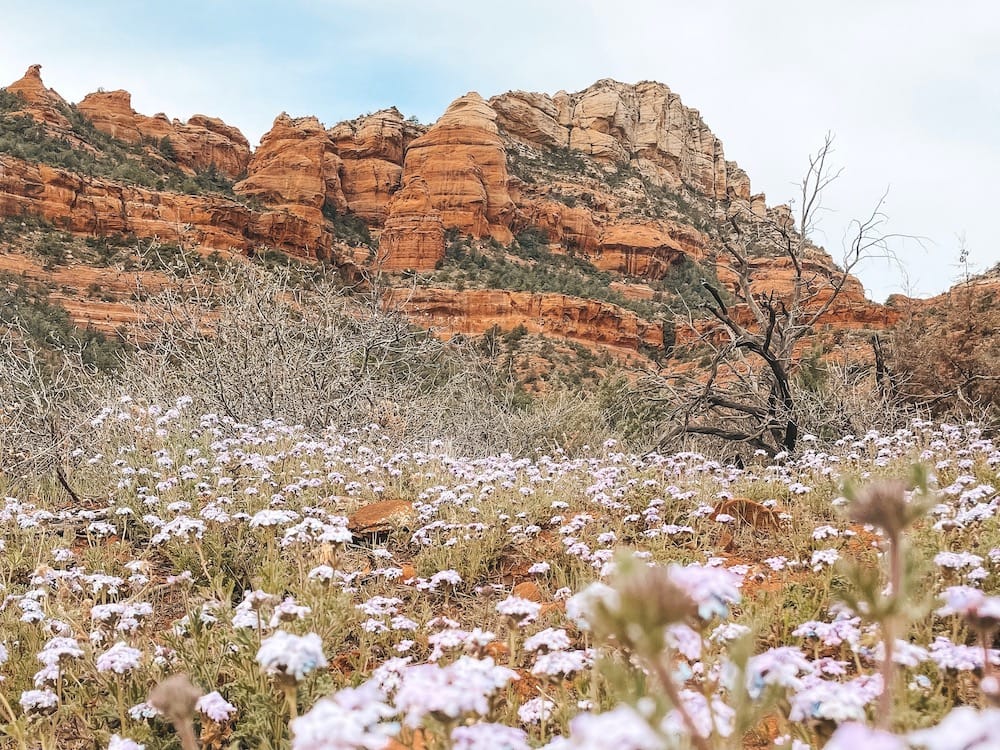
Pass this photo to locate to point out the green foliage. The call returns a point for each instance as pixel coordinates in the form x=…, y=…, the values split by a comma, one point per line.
x=49, y=327
x=530, y=165
x=811, y=374
x=24, y=138
x=349, y=228
x=683, y=285
x=539, y=270
x=167, y=148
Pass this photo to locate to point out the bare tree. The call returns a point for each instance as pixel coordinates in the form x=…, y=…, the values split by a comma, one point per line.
x=747, y=393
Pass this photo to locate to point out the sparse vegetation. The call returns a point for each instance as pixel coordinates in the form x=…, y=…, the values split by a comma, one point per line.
x=348, y=227
x=147, y=165
x=528, y=265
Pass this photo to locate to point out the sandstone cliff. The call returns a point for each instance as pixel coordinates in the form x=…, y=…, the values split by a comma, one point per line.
x=448, y=312
x=41, y=103
x=199, y=144
x=624, y=180
x=462, y=165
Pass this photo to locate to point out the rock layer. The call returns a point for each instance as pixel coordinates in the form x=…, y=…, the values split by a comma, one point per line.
x=200, y=144
x=462, y=165
x=474, y=311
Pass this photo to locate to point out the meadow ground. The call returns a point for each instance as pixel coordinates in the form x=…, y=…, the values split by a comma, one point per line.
x=333, y=591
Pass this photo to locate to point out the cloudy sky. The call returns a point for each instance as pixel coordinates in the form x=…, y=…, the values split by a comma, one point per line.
x=910, y=88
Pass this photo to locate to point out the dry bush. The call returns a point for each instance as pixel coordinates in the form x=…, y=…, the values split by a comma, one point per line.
x=944, y=355
x=263, y=344
x=49, y=398
x=848, y=400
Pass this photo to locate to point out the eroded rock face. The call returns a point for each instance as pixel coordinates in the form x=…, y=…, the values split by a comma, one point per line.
x=473, y=311
x=462, y=162
x=413, y=237
x=198, y=144
x=88, y=205
x=41, y=103
x=647, y=249
x=372, y=150
x=645, y=123
x=100, y=207
x=295, y=173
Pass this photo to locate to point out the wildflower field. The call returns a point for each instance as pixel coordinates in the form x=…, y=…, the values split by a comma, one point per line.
x=255, y=586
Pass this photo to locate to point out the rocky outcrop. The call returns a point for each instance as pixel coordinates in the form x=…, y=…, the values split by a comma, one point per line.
x=43, y=104
x=462, y=162
x=197, y=145
x=645, y=124
x=473, y=311
x=413, y=237
x=93, y=206
x=295, y=174
x=571, y=227
x=88, y=205
x=647, y=249
x=372, y=148
x=535, y=118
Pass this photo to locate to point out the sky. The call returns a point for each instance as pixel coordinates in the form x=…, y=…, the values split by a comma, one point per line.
x=910, y=89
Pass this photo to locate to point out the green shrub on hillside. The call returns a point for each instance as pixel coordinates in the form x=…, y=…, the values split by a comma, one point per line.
x=24, y=138
x=348, y=227
x=50, y=329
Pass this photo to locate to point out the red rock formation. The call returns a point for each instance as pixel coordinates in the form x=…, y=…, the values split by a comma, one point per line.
x=474, y=311
x=295, y=173
x=572, y=227
x=198, y=144
x=88, y=205
x=372, y=149
x=462, y=162
x=95, y=206
x=43, y=104
x=645, y=124
x=647, y=249
x=410, y=184
x=413, y=237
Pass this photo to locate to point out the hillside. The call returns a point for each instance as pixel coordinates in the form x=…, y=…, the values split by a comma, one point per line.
x=584, y=219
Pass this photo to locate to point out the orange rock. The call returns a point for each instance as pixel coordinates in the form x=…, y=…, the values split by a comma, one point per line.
x=528, y=590
x=449, y=311
x=296, y=172
x=198, y=144
x=409, y=573
x=408, y=740
x=644, y=123
x=574, y=228
x=498, y=651
x=372, y=149
x=381, y=516
x=95, y=206
x=41, y=103
x=414, y=232
x=460, y=167
x=646, y=249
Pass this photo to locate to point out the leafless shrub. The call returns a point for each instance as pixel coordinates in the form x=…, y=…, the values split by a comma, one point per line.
x=259, y=344
x=849, y=400
x=48, y=400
